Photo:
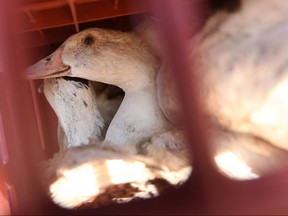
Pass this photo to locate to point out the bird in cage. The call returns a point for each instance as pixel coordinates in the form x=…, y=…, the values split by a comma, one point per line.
x=240, y=59
x=84, y=109
x=238, y=154
x=139, y=131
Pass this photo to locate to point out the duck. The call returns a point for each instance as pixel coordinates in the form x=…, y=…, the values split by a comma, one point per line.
x=237, y=155
x=116, y=58
x=79, y=109
x=138, y=177
x=238, y=151
x=240, y=58
x=139, y=127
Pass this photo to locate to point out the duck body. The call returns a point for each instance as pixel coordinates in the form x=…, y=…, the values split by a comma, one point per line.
x=246, y=53
x=137, y=120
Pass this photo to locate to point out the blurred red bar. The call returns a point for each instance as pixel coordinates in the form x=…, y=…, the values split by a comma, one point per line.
x=4, y=203
x=3, y=144
x=179, y=21
x=19, y=123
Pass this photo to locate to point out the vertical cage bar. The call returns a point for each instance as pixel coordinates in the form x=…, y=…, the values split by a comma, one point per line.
x=3, y=144
x=17, y=115
x=74, y=14
x=37, y=113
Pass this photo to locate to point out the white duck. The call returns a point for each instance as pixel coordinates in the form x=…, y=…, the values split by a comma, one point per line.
x=84, y=109
x=117, y=58
x=74, y=102
x=241, y=59
x=239, y=153
x=134, y=123
x=70, y=98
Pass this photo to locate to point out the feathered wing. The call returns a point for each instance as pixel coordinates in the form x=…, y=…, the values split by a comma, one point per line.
x=99, y=175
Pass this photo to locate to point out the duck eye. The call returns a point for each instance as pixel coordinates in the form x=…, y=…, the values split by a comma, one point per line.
x=88, y=40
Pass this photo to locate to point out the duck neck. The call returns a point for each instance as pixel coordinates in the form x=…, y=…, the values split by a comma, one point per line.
x=81, y=126
x=137, y=119
x=77, y=112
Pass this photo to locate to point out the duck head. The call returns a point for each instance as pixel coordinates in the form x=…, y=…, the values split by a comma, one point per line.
x=108, y=56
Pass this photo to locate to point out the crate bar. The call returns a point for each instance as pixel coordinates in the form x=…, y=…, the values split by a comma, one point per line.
x=37, y=113
x=22, y=140
x=42, y=6
x=3, y=144
x=90, y=14
x=74, y=14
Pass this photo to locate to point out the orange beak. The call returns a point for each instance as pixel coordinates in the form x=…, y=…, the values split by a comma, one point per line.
x=51, y=66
